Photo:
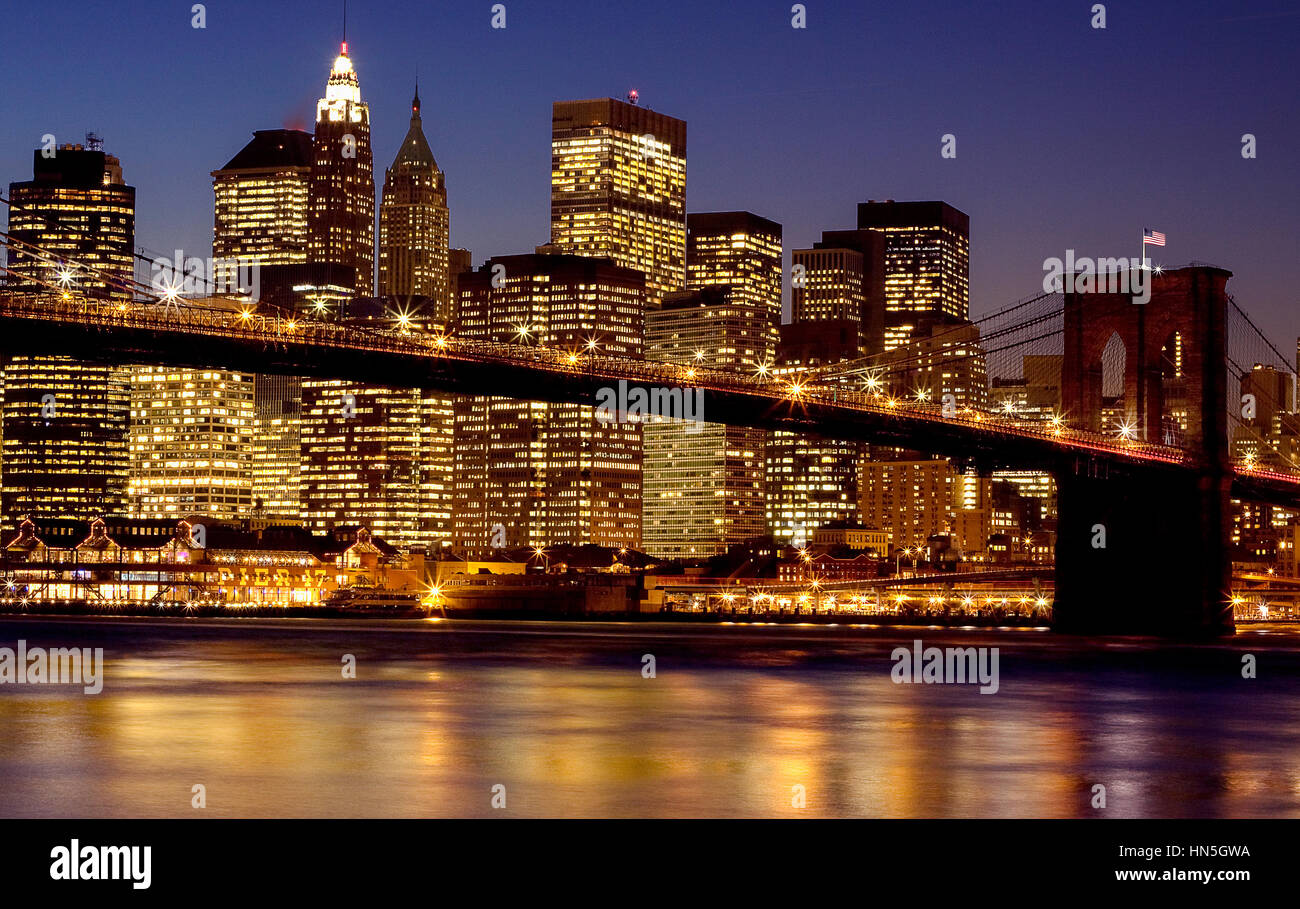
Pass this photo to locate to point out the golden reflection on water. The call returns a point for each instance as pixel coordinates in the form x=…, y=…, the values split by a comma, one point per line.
x=272, y=729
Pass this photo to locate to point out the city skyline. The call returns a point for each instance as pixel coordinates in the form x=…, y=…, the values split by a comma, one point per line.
x=489, y=409
x=1149, y=159
x=889, y=297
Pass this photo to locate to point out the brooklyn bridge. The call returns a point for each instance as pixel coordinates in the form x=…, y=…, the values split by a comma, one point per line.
x=1142, y=505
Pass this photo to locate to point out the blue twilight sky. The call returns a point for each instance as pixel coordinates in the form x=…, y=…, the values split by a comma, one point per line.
x=1067, y=136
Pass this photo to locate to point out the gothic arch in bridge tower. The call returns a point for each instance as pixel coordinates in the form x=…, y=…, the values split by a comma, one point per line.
x=1188, y=305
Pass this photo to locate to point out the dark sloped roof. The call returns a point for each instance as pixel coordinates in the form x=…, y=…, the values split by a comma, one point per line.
x=415, y=153
x=274, y=148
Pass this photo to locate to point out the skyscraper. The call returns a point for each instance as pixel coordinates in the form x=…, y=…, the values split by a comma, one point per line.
x=927, y=262
x=811, y=481
x=341, y=215
x=740, y=250
x=260, y=217
x=536, y=473
x=703, y=485
x=618, y=188
x=414, y=224
x=373, y=455
x=80, y=211
x=415, y=275
x=191, y=434
x=277, y=445
x=361, y=459
x=260, y=209
x=843, y=277
x=64, y=421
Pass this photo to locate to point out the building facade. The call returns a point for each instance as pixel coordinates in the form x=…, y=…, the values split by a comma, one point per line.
x=910, y=499
x=360, y=460
x=810, y=480
x=341, y=201
x=415, y=278
x=539, y=474
x=65, y=450
x=415, y=225
x=277, y=446
x=618, y=188
x=116, y=563
x=191, y=443
x=260, y=207
x=927, y=262
x=842, y=277
x=742, y=251
x=703, y=482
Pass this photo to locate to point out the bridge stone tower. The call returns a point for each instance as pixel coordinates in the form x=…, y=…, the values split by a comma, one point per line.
x=1142, y=548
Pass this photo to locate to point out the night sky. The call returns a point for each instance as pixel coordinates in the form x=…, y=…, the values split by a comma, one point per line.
x=1067, y=137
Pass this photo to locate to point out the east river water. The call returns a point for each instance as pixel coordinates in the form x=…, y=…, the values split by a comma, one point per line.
x=737, y=721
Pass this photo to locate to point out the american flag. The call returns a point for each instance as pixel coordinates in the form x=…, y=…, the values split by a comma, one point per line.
x=1152, y=237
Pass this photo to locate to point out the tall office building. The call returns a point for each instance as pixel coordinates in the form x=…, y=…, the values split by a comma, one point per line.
x=260, y=210
x=437, y=464
x=341, y=201
x=843, y=277
x=927, y=262
x=703, y=482
x=531, y=473
x=911, y=498
x=739, y=250
x=260, y=217
x=360, y=461
x=373, y=455
x=415, y=275
x=276, y=446
x=191, y=443
x=811, y=481
x=414, y=224
x=618, y=188
x=943, y=363
x=64, y=421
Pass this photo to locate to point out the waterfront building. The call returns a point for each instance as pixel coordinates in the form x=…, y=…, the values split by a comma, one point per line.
x=911, y=498
x=117, y=562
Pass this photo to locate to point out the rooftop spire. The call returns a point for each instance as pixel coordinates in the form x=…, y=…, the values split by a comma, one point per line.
x=415, y=148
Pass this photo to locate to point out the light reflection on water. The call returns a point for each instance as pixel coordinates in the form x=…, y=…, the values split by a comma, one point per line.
x=258, y=712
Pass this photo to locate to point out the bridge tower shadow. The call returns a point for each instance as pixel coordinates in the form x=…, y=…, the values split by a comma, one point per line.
x=1144, y=548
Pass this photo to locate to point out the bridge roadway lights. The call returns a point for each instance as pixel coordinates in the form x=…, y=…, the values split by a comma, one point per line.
x=1143, y=554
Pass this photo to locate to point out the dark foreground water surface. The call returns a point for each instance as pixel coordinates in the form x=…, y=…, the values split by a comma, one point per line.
x=258, y=712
